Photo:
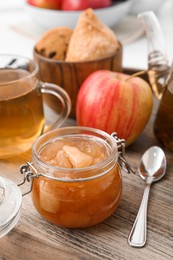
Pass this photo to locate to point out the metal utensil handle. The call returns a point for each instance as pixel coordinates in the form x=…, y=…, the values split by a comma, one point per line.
x=138, y=233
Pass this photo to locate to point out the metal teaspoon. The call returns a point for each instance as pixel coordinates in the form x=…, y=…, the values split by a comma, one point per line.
x=152, y=168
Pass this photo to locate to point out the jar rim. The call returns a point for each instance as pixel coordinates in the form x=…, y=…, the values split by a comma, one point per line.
x=112, y=157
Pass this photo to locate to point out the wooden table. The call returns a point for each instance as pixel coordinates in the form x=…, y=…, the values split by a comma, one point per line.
x=34, y=238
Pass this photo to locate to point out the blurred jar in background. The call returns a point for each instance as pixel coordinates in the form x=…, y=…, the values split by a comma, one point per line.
x=163, y=126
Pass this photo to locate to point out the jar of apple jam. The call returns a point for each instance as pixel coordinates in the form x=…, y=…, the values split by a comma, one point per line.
x=76, y=176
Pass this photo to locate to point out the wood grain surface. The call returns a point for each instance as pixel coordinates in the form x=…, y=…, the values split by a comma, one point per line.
x=35, y=238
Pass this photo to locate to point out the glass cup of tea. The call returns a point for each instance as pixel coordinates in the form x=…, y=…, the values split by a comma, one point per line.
x=22, y=117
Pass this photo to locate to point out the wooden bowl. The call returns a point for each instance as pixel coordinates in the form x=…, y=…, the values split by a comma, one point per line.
x=70, y=75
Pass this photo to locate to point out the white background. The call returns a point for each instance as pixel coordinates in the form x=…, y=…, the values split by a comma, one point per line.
x=19, y=33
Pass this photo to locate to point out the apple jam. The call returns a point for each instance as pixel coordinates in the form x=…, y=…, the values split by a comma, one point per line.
x=80, y=183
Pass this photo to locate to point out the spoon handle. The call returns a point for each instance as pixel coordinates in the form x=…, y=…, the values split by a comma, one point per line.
x=138, y=233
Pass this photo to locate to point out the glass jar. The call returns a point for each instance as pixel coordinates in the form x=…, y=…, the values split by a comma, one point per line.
x=77, y=197
x=163, y=124
x=74, y=197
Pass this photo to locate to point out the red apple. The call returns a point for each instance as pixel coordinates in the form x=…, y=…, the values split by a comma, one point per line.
x=48, y=4
x=100, y=3
x=114, y=102
x=72, y=5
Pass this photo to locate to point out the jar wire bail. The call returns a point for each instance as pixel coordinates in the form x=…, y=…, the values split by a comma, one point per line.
x=121, y=153
x=26, y=170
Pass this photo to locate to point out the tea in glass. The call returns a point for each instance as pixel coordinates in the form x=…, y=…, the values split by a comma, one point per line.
x=21, y=111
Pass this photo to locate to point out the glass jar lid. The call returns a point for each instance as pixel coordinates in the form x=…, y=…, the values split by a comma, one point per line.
x=10, y=205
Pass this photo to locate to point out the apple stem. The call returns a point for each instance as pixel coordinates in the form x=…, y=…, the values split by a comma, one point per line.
x=141, y=72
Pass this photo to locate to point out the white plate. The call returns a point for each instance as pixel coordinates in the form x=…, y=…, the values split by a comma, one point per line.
x=54, y=18
x=139, y=6
x=128, y=30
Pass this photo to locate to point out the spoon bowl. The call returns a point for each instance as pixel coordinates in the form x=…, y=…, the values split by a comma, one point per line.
x=152, y=168
x=153, y=164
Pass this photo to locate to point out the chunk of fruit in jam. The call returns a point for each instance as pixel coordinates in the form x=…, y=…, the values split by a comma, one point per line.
x=73, y=153
x=76, y=157
x=61, y=159
x=48, y=201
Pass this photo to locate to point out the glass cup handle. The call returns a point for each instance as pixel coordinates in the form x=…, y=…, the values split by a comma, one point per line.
x=63, y=97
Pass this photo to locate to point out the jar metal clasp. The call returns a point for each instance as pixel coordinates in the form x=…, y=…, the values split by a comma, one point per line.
x=29, y=173
x=121, y=154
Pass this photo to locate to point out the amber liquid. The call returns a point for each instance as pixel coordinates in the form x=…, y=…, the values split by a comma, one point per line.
x=163, y=127
x=158, y=76
x=21, y=112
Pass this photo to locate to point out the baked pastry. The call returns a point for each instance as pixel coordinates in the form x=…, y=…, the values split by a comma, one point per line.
x=54, y=43
x=91, y=39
